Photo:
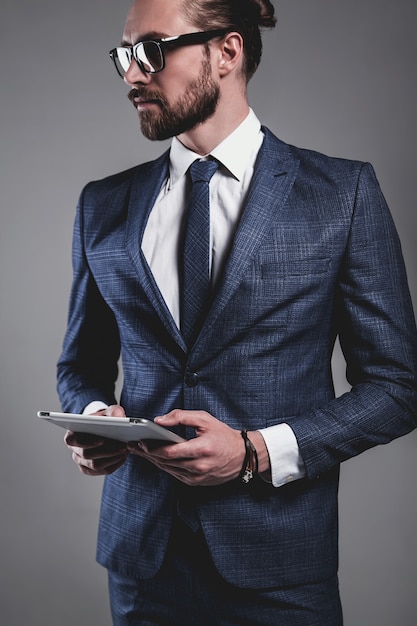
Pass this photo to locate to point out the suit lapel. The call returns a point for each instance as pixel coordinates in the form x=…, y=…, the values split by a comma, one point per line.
x=275, y=171
x=145, y=189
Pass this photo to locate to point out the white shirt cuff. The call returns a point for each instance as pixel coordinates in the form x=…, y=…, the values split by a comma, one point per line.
x=93, y=407
x=284, y=454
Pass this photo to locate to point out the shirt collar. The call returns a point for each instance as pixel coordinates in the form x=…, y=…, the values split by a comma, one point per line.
x=234, y=152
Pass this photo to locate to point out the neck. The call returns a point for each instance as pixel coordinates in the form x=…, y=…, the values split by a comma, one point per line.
x=206, y=136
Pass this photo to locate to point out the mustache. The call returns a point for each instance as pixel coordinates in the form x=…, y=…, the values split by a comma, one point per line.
x=145, y=94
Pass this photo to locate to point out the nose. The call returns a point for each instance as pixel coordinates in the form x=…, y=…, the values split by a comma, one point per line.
x=135, y=75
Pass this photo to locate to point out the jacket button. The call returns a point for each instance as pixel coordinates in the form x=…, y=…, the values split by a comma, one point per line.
x=191, y=379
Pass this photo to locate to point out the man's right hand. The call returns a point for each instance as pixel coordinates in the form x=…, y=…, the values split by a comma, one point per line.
x=97, y=456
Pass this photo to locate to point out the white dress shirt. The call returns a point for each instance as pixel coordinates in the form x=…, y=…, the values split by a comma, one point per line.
x=161, y=246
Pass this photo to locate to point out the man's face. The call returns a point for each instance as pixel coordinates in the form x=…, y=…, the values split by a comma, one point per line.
x=195, y=104
x=184, y=94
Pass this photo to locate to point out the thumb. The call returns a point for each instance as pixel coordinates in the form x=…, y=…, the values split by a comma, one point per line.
x=115, y=410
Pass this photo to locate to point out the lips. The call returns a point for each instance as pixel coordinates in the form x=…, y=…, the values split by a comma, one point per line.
x=141, y=103
x=142, y=100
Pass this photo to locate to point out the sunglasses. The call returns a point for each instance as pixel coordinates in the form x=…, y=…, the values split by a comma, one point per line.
x=149, y=55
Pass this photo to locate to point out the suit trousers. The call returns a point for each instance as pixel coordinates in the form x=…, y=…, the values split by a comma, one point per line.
x=188, y=591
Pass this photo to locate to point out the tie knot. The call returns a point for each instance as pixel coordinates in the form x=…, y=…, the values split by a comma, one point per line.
x=202, y=171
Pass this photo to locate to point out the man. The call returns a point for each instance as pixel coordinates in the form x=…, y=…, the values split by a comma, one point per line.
x=237, y=525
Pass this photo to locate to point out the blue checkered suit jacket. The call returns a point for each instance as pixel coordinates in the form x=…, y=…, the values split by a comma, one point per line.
x=315, y=255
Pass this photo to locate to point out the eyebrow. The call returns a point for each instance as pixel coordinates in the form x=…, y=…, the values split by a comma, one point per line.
x=151, y=35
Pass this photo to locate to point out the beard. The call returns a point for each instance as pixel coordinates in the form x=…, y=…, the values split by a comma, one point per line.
x=194, y=106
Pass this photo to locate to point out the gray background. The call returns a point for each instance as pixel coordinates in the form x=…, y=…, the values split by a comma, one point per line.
x=336, y=76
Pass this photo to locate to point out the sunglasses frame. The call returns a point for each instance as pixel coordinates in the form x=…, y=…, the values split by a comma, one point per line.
x=177, y=41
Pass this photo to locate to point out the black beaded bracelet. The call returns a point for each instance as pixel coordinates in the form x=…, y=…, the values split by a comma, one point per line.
x=250, y=463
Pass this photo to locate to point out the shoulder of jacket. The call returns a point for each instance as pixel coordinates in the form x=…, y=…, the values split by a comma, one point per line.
x=123, y=179
x=309, y=158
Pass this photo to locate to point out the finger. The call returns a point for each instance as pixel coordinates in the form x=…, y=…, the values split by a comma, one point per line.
x=164, y=451
x=93, y=454
x=97, y=468
x=184, y=468
x=109, y=448
x=82, y=440
x=190, y=471
x=195, y=419
x=175, y=471
x=115, y=410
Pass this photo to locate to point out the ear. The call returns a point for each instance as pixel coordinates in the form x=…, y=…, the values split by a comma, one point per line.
x=230, y=53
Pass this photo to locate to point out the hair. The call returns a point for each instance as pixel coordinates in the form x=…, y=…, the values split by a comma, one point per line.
x=246, y=17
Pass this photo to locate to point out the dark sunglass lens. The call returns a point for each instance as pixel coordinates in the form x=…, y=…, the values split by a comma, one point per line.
x=150, y=57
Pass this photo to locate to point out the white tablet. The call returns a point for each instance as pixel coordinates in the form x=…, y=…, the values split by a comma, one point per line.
x=120, y=428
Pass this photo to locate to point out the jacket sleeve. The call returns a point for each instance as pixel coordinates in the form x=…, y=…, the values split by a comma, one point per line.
x=87, y=368
x=374, y=319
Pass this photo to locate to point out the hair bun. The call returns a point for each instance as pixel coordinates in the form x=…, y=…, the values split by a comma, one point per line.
x=265, y=13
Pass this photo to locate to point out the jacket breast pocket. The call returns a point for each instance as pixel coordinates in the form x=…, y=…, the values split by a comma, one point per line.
x=294, y=267
x=275, y=291
x=304, y=287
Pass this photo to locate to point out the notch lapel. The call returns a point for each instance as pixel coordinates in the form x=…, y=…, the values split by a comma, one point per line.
x=145, y=189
